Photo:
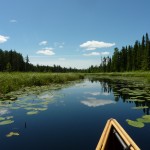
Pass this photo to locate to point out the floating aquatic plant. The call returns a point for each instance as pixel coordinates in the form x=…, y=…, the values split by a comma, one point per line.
x=6, y=122
x=14, y=108
x=135, y=123
x=12, y=134
x=143, y=120
x=140, y=107
x=132, y=100
x=9, y=117
x=41, y=109
x=32, y=112
x=146, y=116
x=2, y=118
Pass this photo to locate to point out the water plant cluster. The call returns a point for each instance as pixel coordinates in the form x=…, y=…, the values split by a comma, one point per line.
x=139, y=122
x=16, y=80
x=32, y=101
x=130, y=90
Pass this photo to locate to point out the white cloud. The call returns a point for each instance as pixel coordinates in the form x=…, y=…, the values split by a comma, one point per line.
x=92, y=54
x=59, y=44
x=46, y=51
x=93, y=45
x=71, y=61
x=105, y=53
x=43, y=43
x=96, y=103
x=96, y=54
x=13, y=21
x=3, y=38
x=62, y=59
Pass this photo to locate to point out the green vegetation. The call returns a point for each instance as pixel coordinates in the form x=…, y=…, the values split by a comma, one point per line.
x=11, y=61
x=139, y=123
x=135, y=123
x=32, y=112
x=129, y=58
x=6, y=122
x=16, y=80
x=12, y=134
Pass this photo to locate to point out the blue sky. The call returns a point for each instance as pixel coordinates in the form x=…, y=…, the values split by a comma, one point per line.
x=71, y=33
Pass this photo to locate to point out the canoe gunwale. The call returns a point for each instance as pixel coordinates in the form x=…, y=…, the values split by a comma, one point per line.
x=112, y=123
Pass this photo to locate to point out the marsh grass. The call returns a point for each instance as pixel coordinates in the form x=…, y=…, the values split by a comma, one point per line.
x=16, y=80
x=133, y=75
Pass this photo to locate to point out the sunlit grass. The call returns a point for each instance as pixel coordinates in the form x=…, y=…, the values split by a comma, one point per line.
x=16, y=80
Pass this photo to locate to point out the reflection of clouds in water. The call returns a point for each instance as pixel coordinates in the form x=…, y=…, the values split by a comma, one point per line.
x=97, y=93
x=45, y=96
x=95, y=102
x=3, y=112
x=91, y=98
x=93, y=93
x=105, y=93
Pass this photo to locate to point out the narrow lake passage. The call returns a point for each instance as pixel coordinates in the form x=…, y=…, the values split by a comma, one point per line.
x=69, y=118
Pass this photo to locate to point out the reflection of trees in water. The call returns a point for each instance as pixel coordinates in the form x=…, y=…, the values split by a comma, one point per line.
x=115, y=86
x=105, y=85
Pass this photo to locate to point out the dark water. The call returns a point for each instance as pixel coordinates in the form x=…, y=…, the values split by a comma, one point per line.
x=71, y=118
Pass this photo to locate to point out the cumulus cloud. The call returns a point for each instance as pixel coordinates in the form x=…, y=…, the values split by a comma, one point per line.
x=13, y=21
x=46, y=51
x=96, y=54
x=92, y=54
x=3, y=38
x=59, y=44
x=43, y=43
x=62, y=59
x=105, y=53
x=93, y=45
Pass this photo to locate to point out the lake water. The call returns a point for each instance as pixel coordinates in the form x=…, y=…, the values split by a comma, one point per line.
x=71, y=118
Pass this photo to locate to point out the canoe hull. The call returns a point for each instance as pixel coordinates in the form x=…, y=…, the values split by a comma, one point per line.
x=114, y=137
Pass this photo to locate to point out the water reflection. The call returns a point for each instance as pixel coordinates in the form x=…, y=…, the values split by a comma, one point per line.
x=96, y=102
x=31, y=103
x=127, y=91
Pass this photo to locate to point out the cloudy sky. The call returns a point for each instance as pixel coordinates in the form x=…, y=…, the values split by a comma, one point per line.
x=71, y=33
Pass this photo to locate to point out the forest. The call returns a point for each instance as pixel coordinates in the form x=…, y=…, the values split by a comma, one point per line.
x=11, y=61
x=128, y=58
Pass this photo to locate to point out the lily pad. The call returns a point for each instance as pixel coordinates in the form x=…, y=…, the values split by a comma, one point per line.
x=2, y=118
x=140, y=107
x=146, y=116
x=136, y=124
x=132, y=100
x=32, y=112
x=12, y=134
x=41, y=109
x=9, y=117
x=140, y=100
x=14, y=108
x=6, y=122
x=143, y=120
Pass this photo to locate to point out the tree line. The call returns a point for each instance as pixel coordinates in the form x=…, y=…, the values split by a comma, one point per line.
x=128, y=58
x=14, y=61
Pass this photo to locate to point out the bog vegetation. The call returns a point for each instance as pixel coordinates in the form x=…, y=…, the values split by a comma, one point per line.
x=16, y=80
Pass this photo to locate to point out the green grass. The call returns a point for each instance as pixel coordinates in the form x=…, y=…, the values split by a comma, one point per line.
x=134, y=75
x=16, y=80
x=126, y=74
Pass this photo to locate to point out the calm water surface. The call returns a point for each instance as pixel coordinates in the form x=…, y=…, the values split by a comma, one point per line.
x=71, y=118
